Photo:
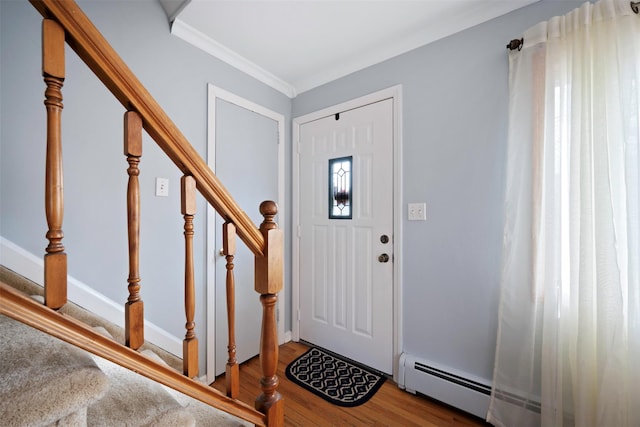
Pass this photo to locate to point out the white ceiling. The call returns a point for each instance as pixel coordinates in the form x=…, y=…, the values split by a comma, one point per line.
x=296, y=45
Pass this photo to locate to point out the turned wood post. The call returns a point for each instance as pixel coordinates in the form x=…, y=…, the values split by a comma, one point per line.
x=190, y=342
x=133, y=309
x=53, y=71
x=232, y=376
x=268, y=282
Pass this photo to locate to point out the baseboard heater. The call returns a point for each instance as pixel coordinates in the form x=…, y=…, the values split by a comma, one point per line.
x=458, y=389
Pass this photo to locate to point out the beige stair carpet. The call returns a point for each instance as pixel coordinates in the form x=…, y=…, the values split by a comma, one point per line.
x=121, y=405
x=44, y=380
x=133, y=400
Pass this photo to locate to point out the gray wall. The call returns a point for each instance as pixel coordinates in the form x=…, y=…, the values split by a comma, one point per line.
x=455, y=118
x=455, y=130
x=176, y=74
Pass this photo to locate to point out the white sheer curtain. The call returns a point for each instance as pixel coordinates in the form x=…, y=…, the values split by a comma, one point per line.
x=568, y=348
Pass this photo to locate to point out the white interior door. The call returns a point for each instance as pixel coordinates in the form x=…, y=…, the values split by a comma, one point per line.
x=346, y=264
x=247, y=162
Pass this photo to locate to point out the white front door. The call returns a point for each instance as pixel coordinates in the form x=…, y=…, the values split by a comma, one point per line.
x=346, y=263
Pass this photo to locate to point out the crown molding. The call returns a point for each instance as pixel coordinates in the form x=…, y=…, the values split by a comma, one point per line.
x=200, y=40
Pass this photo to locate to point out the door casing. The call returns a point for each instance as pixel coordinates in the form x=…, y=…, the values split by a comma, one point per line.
x=395, y=93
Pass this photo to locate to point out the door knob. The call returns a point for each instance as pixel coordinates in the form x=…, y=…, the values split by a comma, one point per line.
x=383, y=258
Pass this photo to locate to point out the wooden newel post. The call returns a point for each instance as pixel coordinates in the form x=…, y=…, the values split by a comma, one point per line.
x=53, y=71
x=133, y=309
x=269, y=278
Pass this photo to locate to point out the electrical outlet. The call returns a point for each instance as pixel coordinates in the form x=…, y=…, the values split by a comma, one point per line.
x=417, y=211
x=162, y=187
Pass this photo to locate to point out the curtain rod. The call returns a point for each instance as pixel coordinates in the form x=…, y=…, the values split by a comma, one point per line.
x=517, y=43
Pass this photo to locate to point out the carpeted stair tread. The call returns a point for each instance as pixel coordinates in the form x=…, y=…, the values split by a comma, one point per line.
x=128, y=402
x=205, y=415
x=44, y=380
x=133, y=400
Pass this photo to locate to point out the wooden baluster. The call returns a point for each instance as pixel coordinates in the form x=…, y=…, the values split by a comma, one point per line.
x=133, y=309
x=190, y=342
x=268, y=282
x=233, y=371
x=53, y=71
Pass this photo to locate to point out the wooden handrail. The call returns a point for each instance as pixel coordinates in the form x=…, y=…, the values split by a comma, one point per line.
x=28, y=311
x=84, y=38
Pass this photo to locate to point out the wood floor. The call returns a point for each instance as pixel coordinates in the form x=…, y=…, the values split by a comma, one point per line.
x=390, y=406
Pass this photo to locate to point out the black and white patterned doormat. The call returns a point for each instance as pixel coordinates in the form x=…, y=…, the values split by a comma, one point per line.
x=334, y=379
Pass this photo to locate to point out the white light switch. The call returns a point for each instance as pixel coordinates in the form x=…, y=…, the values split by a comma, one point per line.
x=417, y=211
x=162, y=187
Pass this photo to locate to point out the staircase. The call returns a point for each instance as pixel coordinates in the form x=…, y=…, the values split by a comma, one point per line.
x=82, y=367
x=45, y=381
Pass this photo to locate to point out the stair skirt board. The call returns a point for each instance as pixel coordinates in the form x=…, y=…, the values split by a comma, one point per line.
x=30, y=266
x=457, y=389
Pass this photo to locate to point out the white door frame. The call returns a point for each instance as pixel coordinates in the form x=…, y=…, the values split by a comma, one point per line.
x=215, y=93
x=395, y=93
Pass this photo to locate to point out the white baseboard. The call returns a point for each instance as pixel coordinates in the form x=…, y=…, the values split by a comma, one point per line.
x=30, y=266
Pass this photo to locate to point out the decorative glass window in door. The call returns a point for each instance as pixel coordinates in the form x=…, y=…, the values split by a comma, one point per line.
x=340, y=196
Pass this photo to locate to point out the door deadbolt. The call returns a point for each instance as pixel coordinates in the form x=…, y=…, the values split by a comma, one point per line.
x=383, y=258
x=384, y=238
